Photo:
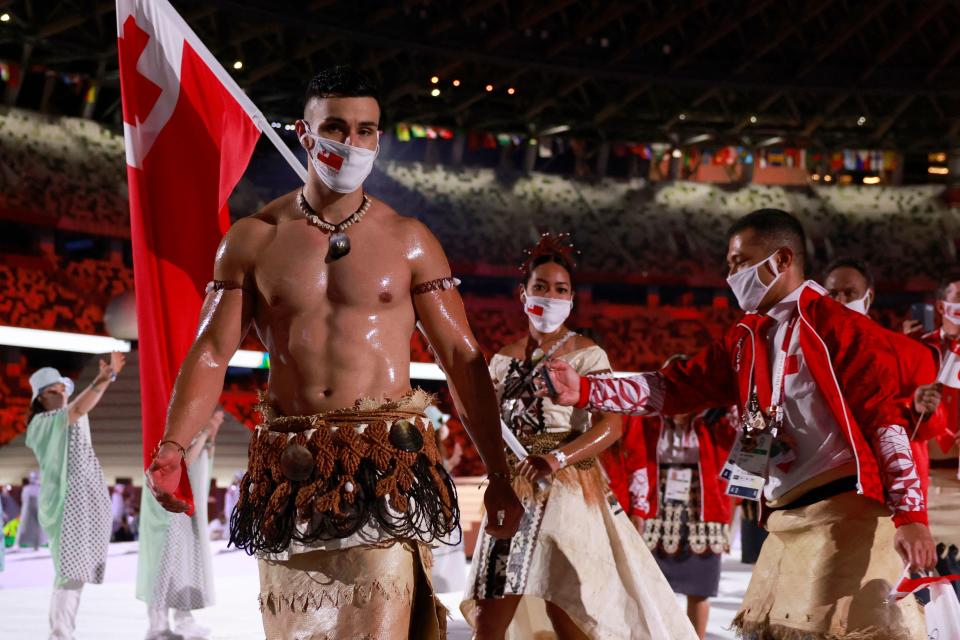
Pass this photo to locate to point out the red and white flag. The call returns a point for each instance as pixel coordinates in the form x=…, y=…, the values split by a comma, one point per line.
x=189, y=132
x=908, y=585
x=950, y=369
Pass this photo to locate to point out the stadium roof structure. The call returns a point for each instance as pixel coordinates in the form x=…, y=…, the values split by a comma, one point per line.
x=884, y=73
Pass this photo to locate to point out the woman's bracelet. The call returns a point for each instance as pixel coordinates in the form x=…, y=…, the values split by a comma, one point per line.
x=499, y=475
x=560, y=457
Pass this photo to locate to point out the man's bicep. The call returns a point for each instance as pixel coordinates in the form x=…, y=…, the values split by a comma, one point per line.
x=444, y=320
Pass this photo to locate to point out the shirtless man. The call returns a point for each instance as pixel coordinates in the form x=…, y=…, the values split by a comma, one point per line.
x=336, y=317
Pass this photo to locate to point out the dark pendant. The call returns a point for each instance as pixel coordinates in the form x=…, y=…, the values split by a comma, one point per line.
x=296, y=463
x=405, y=436
x=339, y=245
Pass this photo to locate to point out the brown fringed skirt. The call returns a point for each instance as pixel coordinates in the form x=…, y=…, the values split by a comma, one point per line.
x=325, y=478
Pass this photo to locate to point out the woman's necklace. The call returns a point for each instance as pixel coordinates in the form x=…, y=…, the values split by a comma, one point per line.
x=339, y=241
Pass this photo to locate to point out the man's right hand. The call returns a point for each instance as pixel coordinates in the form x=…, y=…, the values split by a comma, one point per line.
x=499, y=498
x=565, y=380
x=638, y=523
x=926, y=398
x=163, y=479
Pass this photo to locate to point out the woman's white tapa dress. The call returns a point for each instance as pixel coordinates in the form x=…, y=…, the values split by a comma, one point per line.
x=576, y=547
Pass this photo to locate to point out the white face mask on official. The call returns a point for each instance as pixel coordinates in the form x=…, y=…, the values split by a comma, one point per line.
x=951, y=311
x=547, y=314
x=342, y=167
x=861, y=305
x=747, y=286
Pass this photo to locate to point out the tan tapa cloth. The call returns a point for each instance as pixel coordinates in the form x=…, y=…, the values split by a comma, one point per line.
x=577, y=549
x=943, y=505
x=378, y=592
x=824, y=573
x=371, y=585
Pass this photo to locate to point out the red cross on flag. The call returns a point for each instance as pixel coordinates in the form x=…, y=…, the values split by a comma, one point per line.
x=189, y=132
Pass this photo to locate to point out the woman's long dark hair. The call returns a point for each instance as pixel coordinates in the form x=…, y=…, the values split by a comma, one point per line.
x=35, y=407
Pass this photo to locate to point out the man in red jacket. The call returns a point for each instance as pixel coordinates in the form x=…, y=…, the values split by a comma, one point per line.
x=944, y=490
x=817, y=386
x=851, y=283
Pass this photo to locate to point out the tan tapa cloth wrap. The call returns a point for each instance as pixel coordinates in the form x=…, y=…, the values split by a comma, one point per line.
x=381, y=592
x=342, y=535
x=824, y=573
x=943, y=505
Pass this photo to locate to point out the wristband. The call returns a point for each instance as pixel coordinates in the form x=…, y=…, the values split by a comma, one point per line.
x=499, y=475
x=156, y=450
x=560, y=457
x=584, y=393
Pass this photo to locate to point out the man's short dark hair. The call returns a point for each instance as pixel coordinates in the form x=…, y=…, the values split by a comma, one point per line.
x=945, y=282
x=775, y=225
x=850, y=263
x=342, y=81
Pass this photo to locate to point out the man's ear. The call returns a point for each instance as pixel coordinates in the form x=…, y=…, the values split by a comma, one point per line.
x=301, y=128
x=784, y=259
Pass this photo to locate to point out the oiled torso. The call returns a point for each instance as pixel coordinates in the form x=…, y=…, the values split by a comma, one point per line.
x=336, y=331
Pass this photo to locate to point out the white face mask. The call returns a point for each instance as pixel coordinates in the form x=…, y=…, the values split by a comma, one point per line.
x=747, y=286
x=951, y=311
x=341, y=167
x=547, y=314
x=860, y=305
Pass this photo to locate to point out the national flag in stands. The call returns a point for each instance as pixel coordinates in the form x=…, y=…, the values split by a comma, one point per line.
x=189, y=132
x=950, y=369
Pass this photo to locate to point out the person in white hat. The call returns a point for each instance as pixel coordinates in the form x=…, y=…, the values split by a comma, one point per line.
x=74, y=503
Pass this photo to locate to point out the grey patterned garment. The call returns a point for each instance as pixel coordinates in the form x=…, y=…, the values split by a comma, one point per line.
x=87, y=520
x=185, y=575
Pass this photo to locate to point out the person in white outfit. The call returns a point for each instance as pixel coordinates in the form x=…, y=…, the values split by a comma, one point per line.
x=175, y=567
x=74, y=505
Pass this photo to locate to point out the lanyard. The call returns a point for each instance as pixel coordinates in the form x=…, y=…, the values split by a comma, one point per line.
x=777, y=393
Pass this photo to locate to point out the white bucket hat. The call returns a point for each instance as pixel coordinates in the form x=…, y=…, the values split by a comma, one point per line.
x=46, y=376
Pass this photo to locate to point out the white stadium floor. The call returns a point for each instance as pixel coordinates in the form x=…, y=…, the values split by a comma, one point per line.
x=110, y=611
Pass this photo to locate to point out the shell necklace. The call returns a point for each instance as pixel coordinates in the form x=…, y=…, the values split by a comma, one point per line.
x=339, y=241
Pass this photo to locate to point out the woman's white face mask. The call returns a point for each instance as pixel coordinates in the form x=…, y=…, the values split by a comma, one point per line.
x=546, y=314
x=747, y=286
x=342, y=167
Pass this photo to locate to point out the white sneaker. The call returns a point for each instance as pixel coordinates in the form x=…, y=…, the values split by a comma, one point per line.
x=188, y=627
x=165, y=635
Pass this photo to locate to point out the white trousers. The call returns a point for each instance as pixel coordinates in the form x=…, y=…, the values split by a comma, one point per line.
x=63, y=610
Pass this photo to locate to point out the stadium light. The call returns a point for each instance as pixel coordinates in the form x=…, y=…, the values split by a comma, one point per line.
x=60, y=341
x=511, y=91
x=753, y=119
x=434, y=80
x=939, y=171
x=871, y=179
x=435, y=93
x=5, y=17
x=238, y=65
x=682, y=116
x=456, y=83
x=489, y=88
x=862, y=120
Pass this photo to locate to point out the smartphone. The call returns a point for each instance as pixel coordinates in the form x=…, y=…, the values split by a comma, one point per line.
x=923, y=313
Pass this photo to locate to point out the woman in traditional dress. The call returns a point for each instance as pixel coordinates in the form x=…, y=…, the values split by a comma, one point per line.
x=175, y=568
x=74, y=506
x=576, y=566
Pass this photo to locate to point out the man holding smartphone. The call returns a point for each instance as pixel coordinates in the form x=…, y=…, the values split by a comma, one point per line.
x=944, y=491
